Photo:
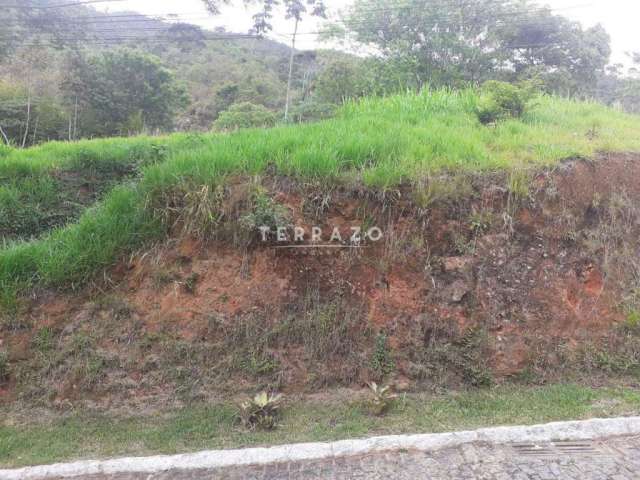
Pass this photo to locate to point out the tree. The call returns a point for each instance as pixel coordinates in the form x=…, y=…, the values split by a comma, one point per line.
x=634, y=71
x=558, y=51
x=47, y=117
x=440, y=43
x=30, y=71
x=341, y=78
x=124, y=91
x=295, y=10
x=459, y=42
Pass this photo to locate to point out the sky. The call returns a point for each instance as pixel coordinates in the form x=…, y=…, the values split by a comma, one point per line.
x=619, y=17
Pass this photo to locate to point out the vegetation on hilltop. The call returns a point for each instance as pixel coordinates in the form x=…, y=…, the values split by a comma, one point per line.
x=54, y=86
x=380, y=142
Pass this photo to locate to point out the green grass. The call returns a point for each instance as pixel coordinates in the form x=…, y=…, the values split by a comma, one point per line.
x=48, y=186
x=381, y=142
x=213, y=427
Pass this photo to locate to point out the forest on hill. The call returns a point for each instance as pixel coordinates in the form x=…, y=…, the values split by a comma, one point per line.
x=72, y=73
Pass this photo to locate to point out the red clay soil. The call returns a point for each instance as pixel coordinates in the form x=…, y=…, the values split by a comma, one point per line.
x=532, y=273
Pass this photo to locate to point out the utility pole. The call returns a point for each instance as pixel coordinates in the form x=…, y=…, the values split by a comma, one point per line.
x=75, y=120
x=289, y=80
x=26, y=128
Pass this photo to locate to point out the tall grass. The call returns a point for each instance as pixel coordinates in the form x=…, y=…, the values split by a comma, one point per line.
x=381, y=142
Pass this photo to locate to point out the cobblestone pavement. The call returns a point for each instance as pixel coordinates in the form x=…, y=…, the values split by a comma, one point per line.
x=613, y=459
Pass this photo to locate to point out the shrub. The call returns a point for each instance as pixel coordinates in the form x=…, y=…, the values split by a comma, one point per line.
x=312, y=111
x=265, y=212
x=261, y=412
x=500, y=100
x=244, y=115
x=382, y=362
x=632, y=322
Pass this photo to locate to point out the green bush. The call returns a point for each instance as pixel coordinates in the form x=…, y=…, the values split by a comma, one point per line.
x=500, y=100
x=244, y=115
x=265, y=212
x=312, y=111
x=382, y=361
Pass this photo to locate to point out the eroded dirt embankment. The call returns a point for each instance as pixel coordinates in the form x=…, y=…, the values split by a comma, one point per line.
x=476, y=280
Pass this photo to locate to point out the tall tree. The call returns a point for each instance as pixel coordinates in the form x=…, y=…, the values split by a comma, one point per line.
x=453, y=42
x=125, y=91
x=557, y=50
x=440, y=42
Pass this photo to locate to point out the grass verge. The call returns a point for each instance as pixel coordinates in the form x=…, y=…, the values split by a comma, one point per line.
x=213, y=427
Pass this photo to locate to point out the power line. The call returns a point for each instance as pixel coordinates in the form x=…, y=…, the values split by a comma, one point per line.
x=123, y=40
x=64, y=5
x=451, y=16
x=106, y=21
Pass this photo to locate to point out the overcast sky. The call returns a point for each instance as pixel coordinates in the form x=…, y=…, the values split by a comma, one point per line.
x=620, y=18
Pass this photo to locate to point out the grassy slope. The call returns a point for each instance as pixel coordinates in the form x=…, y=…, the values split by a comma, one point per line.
x=380, y=141
x=210, y=427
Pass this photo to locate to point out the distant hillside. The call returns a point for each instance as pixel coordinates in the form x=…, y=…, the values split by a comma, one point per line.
x=218, y=68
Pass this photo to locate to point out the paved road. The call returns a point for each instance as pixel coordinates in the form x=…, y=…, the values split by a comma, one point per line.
x=613, y=459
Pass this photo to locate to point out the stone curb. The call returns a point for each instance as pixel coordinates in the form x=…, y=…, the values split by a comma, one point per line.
x=578, y=430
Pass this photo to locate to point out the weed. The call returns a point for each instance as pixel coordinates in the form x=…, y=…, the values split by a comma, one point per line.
x=317, y=205
x=195, y=209
x=325, y=330
x=382, y=398
x=445, y=188
x=382, y=362
x=519, y=184
x=43, y=340
x=118, y=308
x=442, y=353
x=632, y=322
x=594, y=131
x=191, y=283
x=11, y=318
x=4, y=366
x=481, y=221
x=265, y=213
x=327, y=333
x=163, y=277
x=472, y=350
x=259, y=364
x=261, y=412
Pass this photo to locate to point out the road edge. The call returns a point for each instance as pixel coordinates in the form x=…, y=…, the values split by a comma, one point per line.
x=573, y=430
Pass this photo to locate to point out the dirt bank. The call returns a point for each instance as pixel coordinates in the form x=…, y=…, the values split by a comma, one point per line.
x=477, y=279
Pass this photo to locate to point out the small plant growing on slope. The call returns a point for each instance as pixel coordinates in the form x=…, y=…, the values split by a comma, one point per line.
x=382, y=361
x=381, y=398
x=4, y=367
x=261, y=412
x=501, y=100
